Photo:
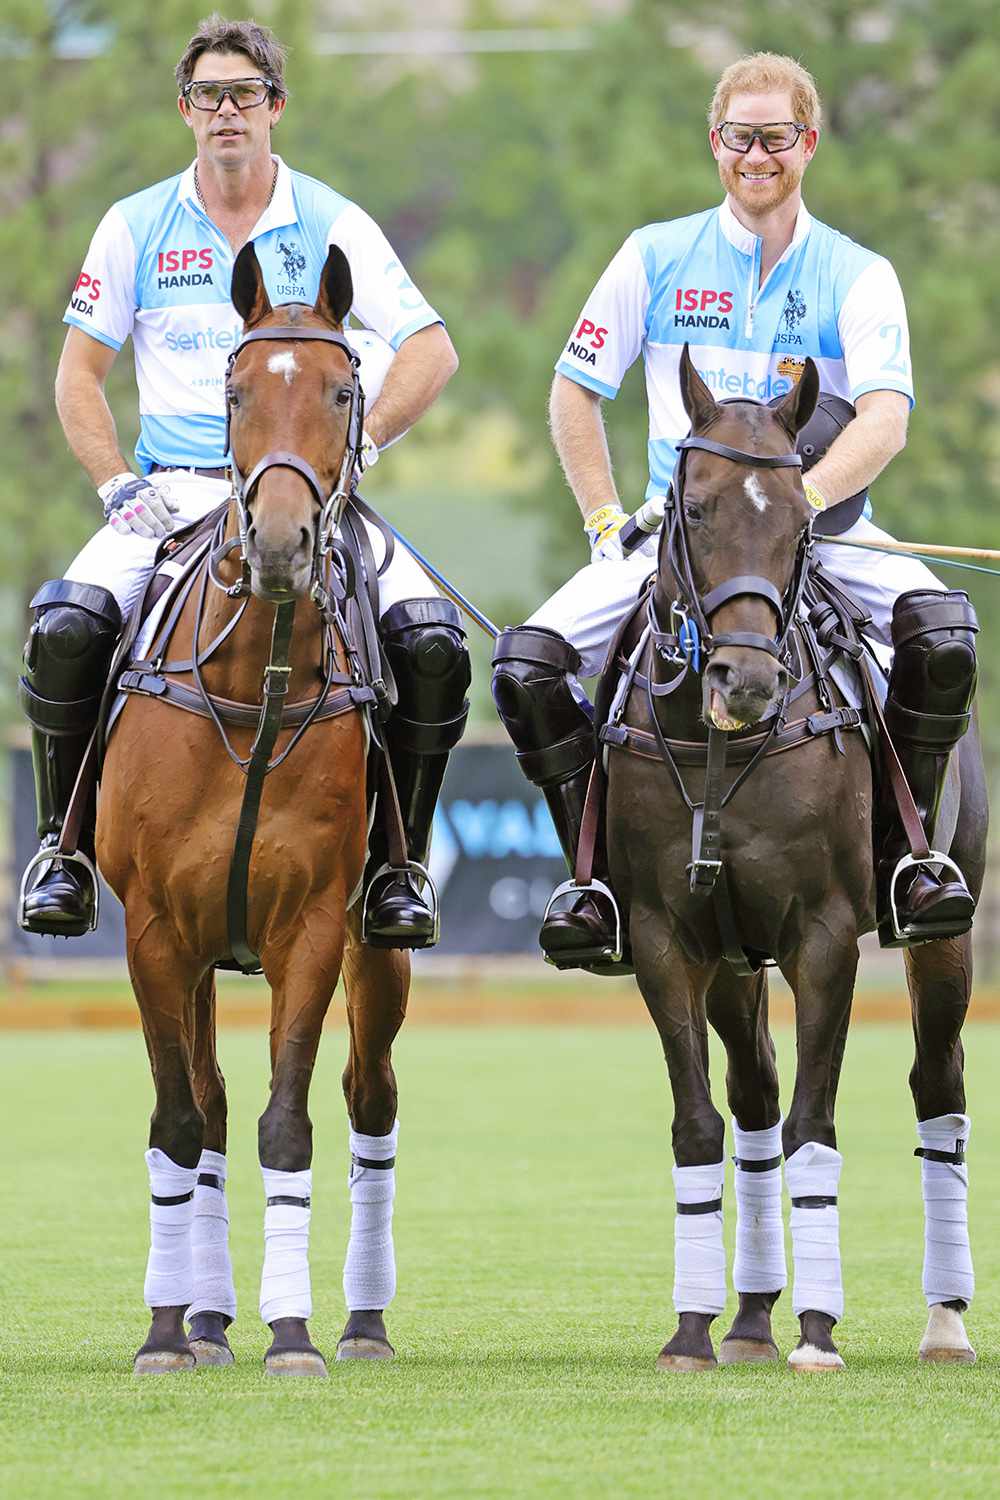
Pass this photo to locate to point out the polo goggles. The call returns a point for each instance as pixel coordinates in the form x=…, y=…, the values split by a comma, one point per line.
x=780, y=136
x=244, y=92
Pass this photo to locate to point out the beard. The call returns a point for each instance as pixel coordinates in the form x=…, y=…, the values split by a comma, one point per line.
x=761, y=198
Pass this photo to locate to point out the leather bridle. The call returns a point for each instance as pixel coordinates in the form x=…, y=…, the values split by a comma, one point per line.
x=330, y=504
x=694, y=638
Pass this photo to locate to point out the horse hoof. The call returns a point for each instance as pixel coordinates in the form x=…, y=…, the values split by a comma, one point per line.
x=945, y=1341
x=746, y=1351
x=162, y=1362
x=296, y=1362
x=365, y=1349
x=686, y=1364
x=808, y=1360
x=207, y=1352
x=966, y=1356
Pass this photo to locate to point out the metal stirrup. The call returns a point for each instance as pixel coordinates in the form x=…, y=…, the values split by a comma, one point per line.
x=424, y=880
x=57, y=861
x=910, y=861
x=582, y=888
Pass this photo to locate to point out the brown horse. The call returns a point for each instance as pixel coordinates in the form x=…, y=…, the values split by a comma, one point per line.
x=783, y=868
x=169, y=806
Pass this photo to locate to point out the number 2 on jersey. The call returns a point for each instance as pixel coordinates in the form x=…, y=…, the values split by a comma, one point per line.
x=894, y=364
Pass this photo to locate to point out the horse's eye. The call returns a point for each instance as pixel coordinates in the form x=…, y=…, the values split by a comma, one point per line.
x=693, y=514
x=232, y=398
x=343, y=397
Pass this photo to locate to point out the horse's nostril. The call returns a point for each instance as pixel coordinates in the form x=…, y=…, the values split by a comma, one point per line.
x=721, y=676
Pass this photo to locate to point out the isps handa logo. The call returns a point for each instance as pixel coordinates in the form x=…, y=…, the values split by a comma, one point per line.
x=179, y=268
x=792, y=314
x=294, y=263
x=86, y=292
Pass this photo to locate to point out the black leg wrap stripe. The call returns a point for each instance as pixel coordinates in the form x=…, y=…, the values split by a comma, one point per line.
x=815, y=1201
x=768, y=1165
x=956, y=1157
x=378, y=1166
x=209, y=1179
x=169, y=1202
x=700, y=1208
x=288, y=1202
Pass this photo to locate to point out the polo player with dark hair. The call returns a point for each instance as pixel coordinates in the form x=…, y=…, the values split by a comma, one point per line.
x=159, y=270
x=753, y=287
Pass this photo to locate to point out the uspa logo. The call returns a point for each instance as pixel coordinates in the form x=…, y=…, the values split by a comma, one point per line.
x=294, y=263
x=792, y=314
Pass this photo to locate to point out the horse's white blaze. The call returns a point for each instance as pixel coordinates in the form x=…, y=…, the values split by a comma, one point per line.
x=284, y=364
x=754, y=493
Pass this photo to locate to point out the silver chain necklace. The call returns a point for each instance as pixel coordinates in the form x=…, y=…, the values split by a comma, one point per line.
x=204, y=205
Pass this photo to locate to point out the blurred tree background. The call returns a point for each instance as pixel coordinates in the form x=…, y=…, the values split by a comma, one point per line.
x=506, y=180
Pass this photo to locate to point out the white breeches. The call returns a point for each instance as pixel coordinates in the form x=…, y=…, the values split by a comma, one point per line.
x=123, y=563
x=586, y=610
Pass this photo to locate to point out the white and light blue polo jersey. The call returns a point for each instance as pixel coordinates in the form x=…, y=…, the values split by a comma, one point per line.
x=696, y=281
x=160, y=270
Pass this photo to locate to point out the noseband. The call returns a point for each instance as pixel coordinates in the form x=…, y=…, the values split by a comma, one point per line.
x=330, y=505
x=691, y=610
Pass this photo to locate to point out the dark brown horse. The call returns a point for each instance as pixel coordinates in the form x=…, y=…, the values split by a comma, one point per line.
x=787, y=866
x=169, y=806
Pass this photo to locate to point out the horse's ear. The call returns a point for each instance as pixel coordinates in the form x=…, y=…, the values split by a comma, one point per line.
x=699, y=403
x=798, y=406
x=336, y=289
x=247, y=290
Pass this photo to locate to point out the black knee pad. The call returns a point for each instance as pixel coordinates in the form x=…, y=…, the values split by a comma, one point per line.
x=551, y=731
x=67, y=655
x=933, y=678
x=425, y=646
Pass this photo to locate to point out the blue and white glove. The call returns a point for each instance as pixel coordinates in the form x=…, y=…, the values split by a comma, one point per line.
x=603, y=528
x=134, y=506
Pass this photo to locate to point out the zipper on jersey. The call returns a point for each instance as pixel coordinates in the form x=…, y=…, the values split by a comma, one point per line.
x=753, y=292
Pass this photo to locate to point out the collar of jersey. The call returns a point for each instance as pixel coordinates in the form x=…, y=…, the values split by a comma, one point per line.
x=280, y=210
x=746, y=243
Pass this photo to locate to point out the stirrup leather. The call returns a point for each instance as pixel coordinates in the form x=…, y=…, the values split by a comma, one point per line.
x=425, y=883
x=924, y=930
x=57, y=861
x=574, y=959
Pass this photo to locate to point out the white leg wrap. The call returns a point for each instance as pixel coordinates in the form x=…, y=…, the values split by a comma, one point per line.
x=169, y=1272
x=213, y=1270
x=814, y=1172
x=370, y=1267
x=760, y=1235
x=948, y=1274
x=284, y=1283
x=699, y=1256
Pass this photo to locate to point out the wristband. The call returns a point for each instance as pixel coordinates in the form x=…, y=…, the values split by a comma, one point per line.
x=816, y=500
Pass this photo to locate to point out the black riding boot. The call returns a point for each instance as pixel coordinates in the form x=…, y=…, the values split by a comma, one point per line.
x=66, y=659
x=425, y=645
x=931, y=688
x=554, y=739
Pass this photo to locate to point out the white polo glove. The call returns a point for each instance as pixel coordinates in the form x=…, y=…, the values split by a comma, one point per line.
x=603, y=529
x=133, y=505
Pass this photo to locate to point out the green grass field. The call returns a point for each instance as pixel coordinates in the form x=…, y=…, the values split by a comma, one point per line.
x=534, y=1227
